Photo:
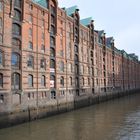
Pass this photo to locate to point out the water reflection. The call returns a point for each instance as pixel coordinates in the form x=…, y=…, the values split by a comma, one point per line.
x=113, y=120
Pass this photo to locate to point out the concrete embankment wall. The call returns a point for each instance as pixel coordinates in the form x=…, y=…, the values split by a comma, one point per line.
x=18, y=117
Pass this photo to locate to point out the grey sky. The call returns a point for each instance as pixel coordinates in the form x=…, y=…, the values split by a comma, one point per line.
x=119, y=18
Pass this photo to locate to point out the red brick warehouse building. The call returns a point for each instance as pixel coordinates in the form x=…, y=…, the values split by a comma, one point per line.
x=48, y=55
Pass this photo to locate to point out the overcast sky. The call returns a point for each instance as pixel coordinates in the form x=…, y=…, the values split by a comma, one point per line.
x=119, y=18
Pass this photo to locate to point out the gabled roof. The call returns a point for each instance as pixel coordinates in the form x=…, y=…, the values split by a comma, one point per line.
x=86, y=21
x=71, y=10
x=101, y=33
x=109, y=41
x=43, y=3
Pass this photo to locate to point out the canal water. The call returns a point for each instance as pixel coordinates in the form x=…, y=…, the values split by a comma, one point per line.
x=118, y=119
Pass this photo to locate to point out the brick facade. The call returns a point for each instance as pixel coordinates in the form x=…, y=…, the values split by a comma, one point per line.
x=63, y=55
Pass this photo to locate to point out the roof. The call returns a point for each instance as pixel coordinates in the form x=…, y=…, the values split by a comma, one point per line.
x=43, y=3
x=86, y=21
x=100, y=33
x=71, y=10
x=109, y=41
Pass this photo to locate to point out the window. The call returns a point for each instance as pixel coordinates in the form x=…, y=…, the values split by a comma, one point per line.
x=52, y=20
x=76, y=58
x=61, y=53
x=0, y=22
x=77, y=81
x=16, y=29
x=30, y=80
x=88, y=81
x=30, y=32
x=62, y=66
x=93, y=82
x=15, y=61
x=18, y=3
x=53, y=95
x=1, y=58
x=71, y=81
x=62, y=81
x=1, y=80
x=52, y=10
x=52, y=64
x=61, y=31
x=30, y=45
x=1, y=98
x=42, y=13
x=1, y=38
x=71, y=69
x=30, y=61
x=30, y=18
x=43, y=48
x=76, y=69
x=1, y=6
x=30, y=6
x=43, y=23
x=42, y=63
x=52, y=81
x=52, y=30
x=16, y=43
x=43, y=36
x=52, y=41
x=83, y=80
x=43, y=80
x=62, y=93
x=76, y=49
x=61, y=42
x=15, y=81
x=17, y=15
x=52, y=52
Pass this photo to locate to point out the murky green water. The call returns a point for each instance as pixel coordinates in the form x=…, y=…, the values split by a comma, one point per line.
x=113, y=120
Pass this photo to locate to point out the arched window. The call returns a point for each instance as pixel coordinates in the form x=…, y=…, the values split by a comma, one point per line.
x=1, y=80
x=52, y=52
x=16, y=81
x=17, y=15
x=1, y=58
x=30, y=62
x=18, y=3
x=30, y=80
x=16, y=29
x=16, y=43
x=43, y=80
x=62, y=81
x=15, y=61
x=52, y=64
